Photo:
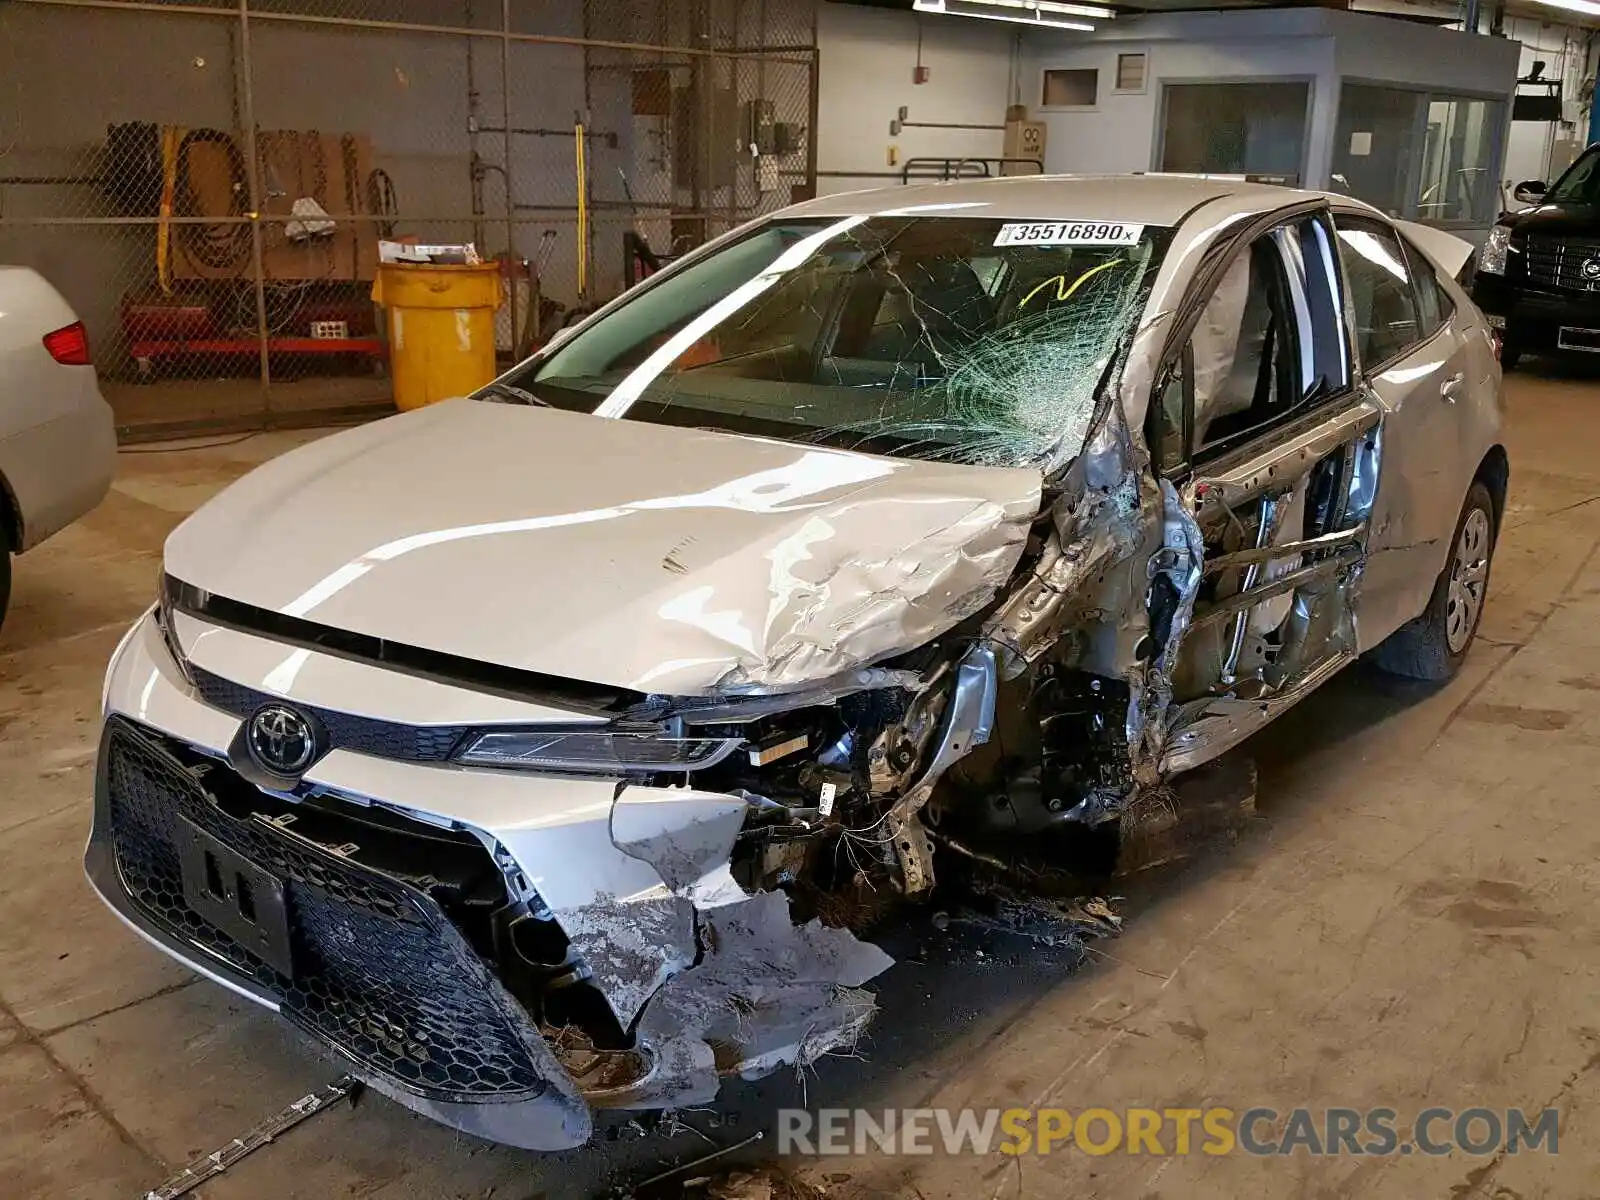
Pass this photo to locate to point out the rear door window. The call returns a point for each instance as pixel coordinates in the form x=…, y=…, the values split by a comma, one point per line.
x=1434, y=306
x=1382, y=296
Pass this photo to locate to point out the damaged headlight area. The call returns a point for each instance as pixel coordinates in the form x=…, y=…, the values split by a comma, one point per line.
x=596, y=752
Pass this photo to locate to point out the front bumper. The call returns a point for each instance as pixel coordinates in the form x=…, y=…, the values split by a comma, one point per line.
x=1534, y=318
x=464, y=1052
x=631, y=882
x=380, y=975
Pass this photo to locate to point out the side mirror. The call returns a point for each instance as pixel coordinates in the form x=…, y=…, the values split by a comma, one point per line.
x=1530, y=191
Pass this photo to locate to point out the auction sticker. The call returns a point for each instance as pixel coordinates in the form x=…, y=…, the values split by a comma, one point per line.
x=1068, y=233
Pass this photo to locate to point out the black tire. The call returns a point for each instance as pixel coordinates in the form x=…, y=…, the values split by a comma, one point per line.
x=1420, y=649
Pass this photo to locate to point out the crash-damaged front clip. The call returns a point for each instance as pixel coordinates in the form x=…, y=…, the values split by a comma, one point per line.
x=925, y=549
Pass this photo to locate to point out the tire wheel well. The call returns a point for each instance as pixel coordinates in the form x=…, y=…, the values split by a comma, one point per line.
x=1494, y=472
x=10, y=520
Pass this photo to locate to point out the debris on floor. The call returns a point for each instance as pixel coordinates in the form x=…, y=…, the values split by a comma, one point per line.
x=209, y=1166
x=1047, y=921
x=768, y=1183
x=1166, y=825
x=738, y=1183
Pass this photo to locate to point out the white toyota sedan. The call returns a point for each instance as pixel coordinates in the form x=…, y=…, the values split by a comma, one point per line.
x=58, y=445
x=537, y=752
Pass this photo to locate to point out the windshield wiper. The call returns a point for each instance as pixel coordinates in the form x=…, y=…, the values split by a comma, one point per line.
x=512, y=392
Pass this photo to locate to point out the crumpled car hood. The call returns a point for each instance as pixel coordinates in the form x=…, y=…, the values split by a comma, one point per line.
x=663, y=559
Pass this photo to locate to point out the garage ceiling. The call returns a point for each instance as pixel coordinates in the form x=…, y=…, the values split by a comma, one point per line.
x=1132, y=7
x=1580, y=13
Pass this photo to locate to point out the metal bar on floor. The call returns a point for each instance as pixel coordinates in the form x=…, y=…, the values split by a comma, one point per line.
x=209, y=1166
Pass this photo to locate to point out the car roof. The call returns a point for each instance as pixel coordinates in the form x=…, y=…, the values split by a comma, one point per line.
x=1144, y=199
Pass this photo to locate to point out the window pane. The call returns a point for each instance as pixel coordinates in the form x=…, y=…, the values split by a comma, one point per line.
x=1581, y=183
x=1373, y=144
x=1075, y=87
x=1433, y=305
x=1235, y=128
x=1380, y=292
x=1457, y=183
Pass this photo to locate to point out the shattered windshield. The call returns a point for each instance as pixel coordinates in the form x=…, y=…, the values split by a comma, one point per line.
x=967, y=339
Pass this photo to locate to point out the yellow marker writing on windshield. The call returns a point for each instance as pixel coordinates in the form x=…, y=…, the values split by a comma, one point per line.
x=1063, y=292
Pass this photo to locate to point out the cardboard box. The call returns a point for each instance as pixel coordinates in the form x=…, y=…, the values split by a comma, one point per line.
x=1023, y=139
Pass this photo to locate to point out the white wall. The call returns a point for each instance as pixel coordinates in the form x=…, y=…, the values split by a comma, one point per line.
x=1319, y=45
x=1120, y=134
x=1564, y=51
x=867, y=59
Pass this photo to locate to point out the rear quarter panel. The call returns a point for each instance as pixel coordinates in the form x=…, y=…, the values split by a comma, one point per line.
x=57, y=437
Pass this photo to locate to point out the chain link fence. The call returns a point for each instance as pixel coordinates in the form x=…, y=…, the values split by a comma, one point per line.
x=209, y=185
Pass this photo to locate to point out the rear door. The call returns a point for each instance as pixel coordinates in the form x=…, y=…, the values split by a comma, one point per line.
x=1417, y=366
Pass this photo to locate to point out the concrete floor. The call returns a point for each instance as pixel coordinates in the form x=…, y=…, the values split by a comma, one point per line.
x=1410, y=922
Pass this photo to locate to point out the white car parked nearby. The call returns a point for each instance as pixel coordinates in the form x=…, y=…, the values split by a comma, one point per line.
x=58, y=444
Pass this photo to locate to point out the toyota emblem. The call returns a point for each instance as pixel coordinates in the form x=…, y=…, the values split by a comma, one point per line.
x=1591, y=268
x=281, y=740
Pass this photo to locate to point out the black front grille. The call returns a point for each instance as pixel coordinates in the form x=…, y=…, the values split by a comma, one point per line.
x=346, y=731
x=379, y=970
x=1563, y=263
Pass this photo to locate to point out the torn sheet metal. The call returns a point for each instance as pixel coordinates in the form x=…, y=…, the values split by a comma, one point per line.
x=1204, y=728
x=750, y=990
x=1099, y=523
x=968, y=723
x=1177, y=570
x=634, y=942
x=768, y=992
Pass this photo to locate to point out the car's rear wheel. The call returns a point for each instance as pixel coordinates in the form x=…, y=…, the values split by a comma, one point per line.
x=1433, y=646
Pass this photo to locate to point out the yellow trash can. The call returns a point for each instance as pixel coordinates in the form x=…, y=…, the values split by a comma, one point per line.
x=441, y=328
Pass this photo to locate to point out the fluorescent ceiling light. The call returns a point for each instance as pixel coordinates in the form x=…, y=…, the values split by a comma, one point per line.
x=1578, y=6
x=1047, y=13
x=1052, y=6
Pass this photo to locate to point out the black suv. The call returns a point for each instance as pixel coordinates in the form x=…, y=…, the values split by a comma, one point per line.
x=1538, y=275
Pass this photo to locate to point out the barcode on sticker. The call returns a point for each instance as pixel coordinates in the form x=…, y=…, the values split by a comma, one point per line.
x=1068, y=233
x=825, y=800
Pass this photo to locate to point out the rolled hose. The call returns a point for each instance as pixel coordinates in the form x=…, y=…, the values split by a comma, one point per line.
x=219, y=247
